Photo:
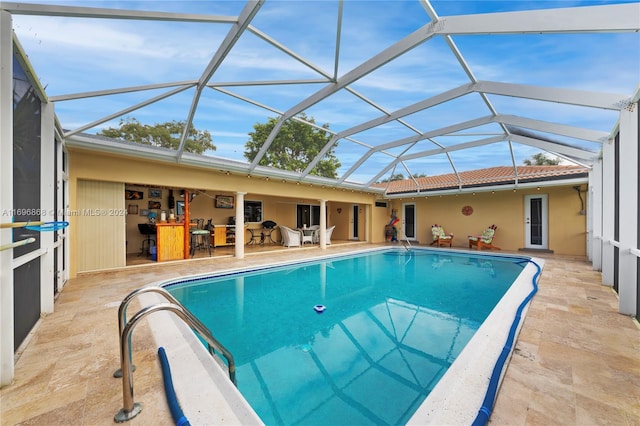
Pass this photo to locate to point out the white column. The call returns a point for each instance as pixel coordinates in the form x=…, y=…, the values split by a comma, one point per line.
x=367, y=218
x=6, y=199
x=628, y=214
x=47, y=195
x=594, y=211
x=240, y=224
x=608, y=211
x=323, y=224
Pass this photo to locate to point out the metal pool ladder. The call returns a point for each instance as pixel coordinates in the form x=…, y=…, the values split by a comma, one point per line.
x=130, y=408
x=406, y=243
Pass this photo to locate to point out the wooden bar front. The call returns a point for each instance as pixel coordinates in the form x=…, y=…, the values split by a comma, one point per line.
x=170, y=241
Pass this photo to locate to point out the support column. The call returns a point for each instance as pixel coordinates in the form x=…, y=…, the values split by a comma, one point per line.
x=47, y=202
x=628, y=213
x=323, y=224
x=608, y=211
x=6, y=199
x=594, y=211
x=240, y=224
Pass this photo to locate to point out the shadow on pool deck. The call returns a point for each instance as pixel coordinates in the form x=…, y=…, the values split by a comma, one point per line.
x=575, y=363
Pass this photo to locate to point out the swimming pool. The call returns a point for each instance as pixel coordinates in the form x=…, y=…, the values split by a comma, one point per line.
x=414, y=320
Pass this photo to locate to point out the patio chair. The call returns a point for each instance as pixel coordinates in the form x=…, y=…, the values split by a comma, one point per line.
x=316, y=235
x=290, y=237
x=439, y=236
x=484, y=240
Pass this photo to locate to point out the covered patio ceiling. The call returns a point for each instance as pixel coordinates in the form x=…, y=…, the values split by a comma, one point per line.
x=410, y=87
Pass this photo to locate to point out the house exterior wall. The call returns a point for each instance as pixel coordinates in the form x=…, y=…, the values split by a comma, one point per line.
x=566, y=227
x=279, y=198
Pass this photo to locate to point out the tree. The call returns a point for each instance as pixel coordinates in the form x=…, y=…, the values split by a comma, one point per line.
x=294, y=147
x=400, y=176
x=392, y=178
x=165, y=135
x=540, y=159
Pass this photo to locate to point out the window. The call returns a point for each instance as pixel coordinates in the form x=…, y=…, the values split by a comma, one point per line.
x=307, y=215
x=252, y=211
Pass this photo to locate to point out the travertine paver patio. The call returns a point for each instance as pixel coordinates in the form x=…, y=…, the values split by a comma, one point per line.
x=576, y=362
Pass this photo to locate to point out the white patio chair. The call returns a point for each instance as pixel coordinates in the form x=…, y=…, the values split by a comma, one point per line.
x=290, y=237
x=316, y=235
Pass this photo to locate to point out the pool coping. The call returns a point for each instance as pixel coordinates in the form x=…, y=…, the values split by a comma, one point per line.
x=207, y=395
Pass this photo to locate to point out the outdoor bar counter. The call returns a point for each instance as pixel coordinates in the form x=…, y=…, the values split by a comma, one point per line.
x=170, y=241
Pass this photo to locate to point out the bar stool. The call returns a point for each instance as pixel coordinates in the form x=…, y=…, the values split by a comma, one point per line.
x=200, y=237
x=147, y=230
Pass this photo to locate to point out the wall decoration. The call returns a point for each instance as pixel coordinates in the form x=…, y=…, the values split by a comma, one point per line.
x=467, y=210
x=144, y=212
x=180, y=207
x=132, y=209
x=224, y=202
x=155, y=205
x=155, y=193
x=133, y=195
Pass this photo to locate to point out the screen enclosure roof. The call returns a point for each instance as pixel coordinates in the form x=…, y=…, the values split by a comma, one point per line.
x=411, y=88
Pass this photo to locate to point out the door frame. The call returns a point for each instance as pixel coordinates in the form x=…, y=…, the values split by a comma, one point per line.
x=354, y=222
x=544, y=221
x=404, y=222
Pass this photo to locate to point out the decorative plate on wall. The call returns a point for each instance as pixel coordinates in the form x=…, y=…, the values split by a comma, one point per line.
x=467, y=210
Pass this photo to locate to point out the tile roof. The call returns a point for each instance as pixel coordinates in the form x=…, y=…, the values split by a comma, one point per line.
x=485, y=177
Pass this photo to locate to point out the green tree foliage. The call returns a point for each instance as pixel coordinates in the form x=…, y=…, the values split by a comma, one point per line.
x=540, y=159
x=400, y=176
x=294, y=147
x=392, y=178
x=165, y=135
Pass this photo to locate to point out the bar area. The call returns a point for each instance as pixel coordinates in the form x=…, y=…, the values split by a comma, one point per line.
x=165, y=224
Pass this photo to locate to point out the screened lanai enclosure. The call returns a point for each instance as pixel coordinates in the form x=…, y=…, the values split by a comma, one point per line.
x=411, y=88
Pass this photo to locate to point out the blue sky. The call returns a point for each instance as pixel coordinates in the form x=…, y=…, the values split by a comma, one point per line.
x=78, y=55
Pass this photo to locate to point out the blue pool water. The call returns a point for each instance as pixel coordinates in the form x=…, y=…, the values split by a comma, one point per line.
x=394, y=321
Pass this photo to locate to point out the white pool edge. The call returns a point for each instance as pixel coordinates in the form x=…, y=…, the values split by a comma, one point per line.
x=458, y=395
x=202, y=386
x=207, y=396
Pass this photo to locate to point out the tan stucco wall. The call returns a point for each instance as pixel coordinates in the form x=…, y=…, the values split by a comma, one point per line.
x=567, y=228
x=279, y=198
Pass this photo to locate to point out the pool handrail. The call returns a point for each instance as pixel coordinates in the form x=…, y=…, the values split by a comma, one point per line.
x=131, y=409
x=122, y=321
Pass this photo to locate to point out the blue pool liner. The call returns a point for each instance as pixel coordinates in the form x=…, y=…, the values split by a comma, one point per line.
x=487, y=405
x=172, y=399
